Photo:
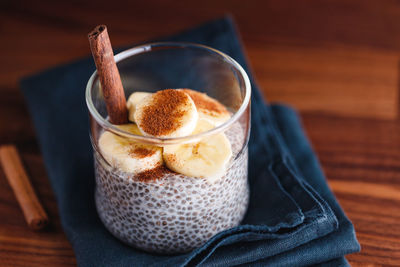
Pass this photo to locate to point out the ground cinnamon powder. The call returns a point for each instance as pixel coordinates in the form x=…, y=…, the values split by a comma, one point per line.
x=163, y=116
x=141, y=152
x=153, y=174
x=204, y=102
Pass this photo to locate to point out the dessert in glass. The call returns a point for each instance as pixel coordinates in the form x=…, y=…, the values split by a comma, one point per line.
x=176, y=174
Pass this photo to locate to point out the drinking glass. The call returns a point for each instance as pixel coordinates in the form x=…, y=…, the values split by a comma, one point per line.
x=173, y=213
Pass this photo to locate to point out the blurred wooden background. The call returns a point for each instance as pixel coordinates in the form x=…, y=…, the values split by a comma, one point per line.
x=336, y=61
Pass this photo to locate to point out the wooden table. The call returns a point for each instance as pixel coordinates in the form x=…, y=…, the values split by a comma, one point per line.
x=336, y=61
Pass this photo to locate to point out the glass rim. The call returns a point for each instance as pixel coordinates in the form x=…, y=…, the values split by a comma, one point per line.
x=168, y=140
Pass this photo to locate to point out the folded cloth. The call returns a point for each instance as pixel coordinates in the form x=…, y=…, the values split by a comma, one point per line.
x=293, y=218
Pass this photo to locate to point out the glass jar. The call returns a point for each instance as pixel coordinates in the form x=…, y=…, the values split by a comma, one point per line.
x=173, y=213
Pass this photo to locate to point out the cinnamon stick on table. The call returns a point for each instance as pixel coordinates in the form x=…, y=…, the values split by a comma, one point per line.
x=110, y=79
x=16, y=175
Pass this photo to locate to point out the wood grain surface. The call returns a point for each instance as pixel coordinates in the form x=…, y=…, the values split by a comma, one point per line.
x=337, y=61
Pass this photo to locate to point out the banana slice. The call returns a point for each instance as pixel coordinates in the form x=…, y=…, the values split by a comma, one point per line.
x=209, y=108
x=207, y=158
x=130, y=128
x=166, y=113
x=127, y=155
x=133, y=100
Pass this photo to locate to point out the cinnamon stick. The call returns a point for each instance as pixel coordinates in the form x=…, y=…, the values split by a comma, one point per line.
x=16, y=175
x=110, y=79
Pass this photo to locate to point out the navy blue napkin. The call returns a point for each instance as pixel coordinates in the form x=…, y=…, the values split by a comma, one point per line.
x=293, y=218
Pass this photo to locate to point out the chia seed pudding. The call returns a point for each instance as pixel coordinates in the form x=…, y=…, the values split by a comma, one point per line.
x=174, y=213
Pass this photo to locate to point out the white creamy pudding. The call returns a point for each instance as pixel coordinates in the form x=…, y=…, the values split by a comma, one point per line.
x=172, y=199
